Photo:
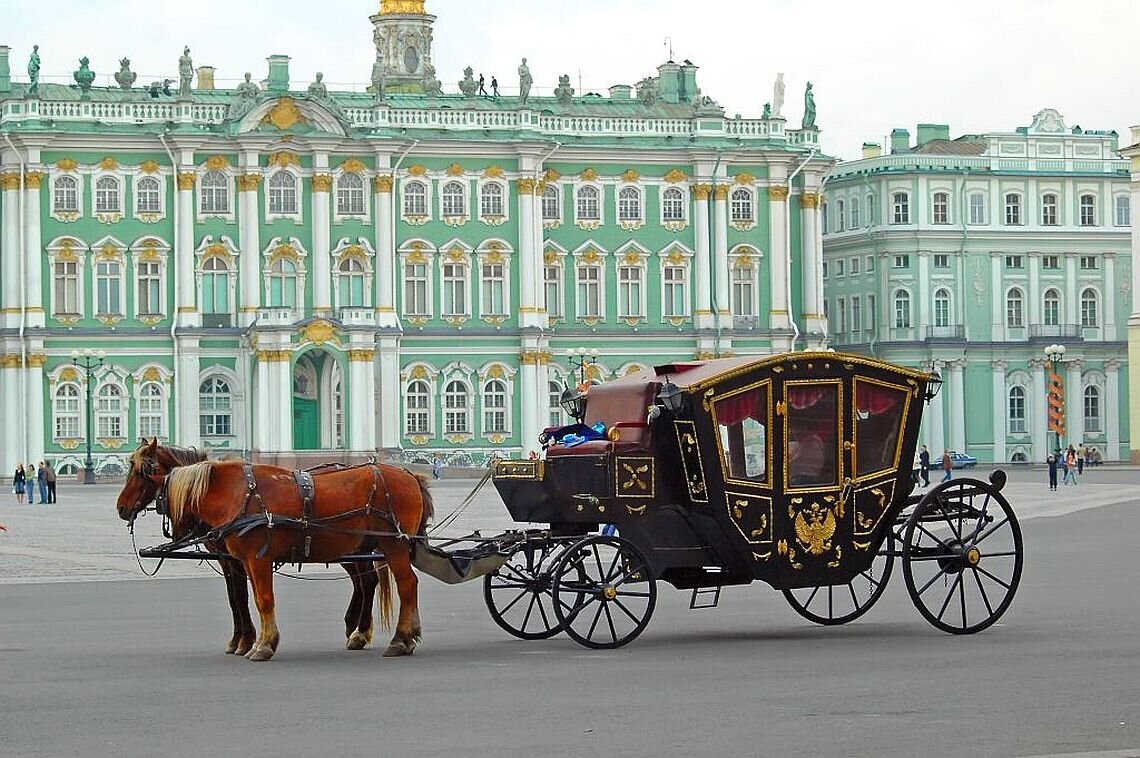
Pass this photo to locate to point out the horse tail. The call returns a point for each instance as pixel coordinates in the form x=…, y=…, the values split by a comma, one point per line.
x=384, y=593
x=427, y=505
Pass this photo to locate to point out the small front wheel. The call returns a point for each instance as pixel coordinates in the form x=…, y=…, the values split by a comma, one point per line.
x=604, y=592
x=518, y=594
x=832, y=605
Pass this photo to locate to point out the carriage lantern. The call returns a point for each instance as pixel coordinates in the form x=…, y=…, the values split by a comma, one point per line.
x=574, y=403
x=934, y=386
x=671, y=397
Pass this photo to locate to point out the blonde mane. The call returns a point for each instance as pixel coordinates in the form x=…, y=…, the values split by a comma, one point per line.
x=185, y=487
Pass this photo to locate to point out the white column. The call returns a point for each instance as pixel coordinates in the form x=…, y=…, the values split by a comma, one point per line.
x=11, y=446
x=923, y=294
x=362, y=386
x=780, y=311
x=263, y=422
x=1072, y=314
x=281, y=380
x=999, y=411
x=529, y=257
x=721, y=271
x=33, y=247
x=187, y=313
x=249, y=238
x=1111, y=410
x=997, y=306
x=1039, y=400
x=34, y=407
x=810, y=269
x=10, y=244
x=530, y=401
x=187, y=401
x=1074, y=404
x=957, y=405
x=1033, y=296
x=1110, y=286
x=385, y=255
x=322, y=264
x=935, y=433
x=702, y=277
x=390, y=393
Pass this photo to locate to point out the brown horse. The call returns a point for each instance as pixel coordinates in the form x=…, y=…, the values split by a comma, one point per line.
x=260, y=515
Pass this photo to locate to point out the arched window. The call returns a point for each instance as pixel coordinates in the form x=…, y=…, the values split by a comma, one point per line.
x=148, y=195
x=491, y=199
x=350, y=283
x=900, y=205
x=1123, y=210
x=942, y=307
x=1017, y=410
x=455, y=413
x=902, y=309
x=109, y=412
x=941, y=208
x=152, y=410
x=1015, y=308
x=350, y=195
x=215, y=285
x=283, y=284
x=214, y=189
x=1013, y=209
x=1051, y=313
x=454, y=199
x=1049, y=210
x=1092, y=409
x=840, y=215
x=742, y=205
x=1089, y=310
x=551, y=203
x=415, y=198
x=65, y=194
x=556, y=416
x=589, y=208
x=495, y=407
x=215, y=408
x=107, y=195
x=1088, y=210
x=672, y=204
x=417, y=401
x=853, y=209
x=629, y=204
x=825, y=217
x=872, y=214
x=65, y=409
x=283, y=193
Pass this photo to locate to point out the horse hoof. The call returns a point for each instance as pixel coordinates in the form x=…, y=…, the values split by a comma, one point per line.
x=260, y=654
x=358, y=641
x=231, y=648
x=397, y=648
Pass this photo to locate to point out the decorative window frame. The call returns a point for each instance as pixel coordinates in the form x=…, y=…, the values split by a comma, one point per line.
x=590, y=254
x=1059, y=292
x=420, y=372
x=339, y=175
x=895, y=311
x=149, y=170
x=462, y=373
x=676, y=255
x=226, y=250
x=237, y=405
x=495, y=252
x=100, y=173
x=1025, y=418
x=745, y=256
x=905, y=206
x=417, y=252
x=67, y=168
x=1006, y=194
x=949, y=194
x=416, y=219
x=590, y=225
x=1094, y=206
x=496, y=371
x=454, y=220
x=1121, y=200
x=112, y=250
x=505, y=187
x=67, y=249
x=149, y=249
x=1005, y=307
x=675, y=225
x=1059, y=217
x=297, y=217
x=457, y=252
x=554, y=256
x=146, y=375
x=1098, y=303
x=951, y=319
x=630, y=181
x=222, y=167
x=560, y=194
x=110, y=376
x=360, y=251
x=294, y=251
x=748, y=223
x=633, y=255
x=66, y=376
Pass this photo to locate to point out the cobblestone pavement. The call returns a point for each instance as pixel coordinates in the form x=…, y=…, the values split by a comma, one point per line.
x=81, y=538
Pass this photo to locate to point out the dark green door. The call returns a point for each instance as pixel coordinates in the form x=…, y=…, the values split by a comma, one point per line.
x=306, y=424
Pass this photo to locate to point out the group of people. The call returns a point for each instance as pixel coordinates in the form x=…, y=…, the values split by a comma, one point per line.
x=1071, y=461
x=28, y=481
x=947, y=465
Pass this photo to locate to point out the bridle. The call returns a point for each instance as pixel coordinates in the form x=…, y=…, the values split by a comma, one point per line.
x=155, y=482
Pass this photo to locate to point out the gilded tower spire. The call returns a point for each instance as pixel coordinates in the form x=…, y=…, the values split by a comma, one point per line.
x=388, y=7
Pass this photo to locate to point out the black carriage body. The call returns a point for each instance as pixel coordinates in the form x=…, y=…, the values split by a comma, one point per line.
x=789, y=469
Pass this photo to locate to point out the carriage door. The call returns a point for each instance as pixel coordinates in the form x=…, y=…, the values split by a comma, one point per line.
x=878, y=412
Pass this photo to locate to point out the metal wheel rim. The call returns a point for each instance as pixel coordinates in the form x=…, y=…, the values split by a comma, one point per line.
x=518, y=595
x=806, y=601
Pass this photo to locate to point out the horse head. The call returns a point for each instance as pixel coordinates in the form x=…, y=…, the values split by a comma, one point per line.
x=151, y=463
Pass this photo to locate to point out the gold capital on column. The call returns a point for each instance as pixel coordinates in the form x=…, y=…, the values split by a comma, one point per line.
x=361, y=356
x=38, y=360
x=809, y=200
x=778, y=193
x=526, y=186
x=383, y=183
x=10, y=181
x=186, y=180
x=33, y=179
x=701, y=191
x=722, y=192
x=322, y=182
x=248, y=182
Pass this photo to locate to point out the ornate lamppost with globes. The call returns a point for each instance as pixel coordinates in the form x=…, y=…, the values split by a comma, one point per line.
x=1055, y=391
x=88, y=362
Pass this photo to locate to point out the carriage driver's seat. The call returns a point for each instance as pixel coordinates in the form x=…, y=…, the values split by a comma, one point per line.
x=622, y=406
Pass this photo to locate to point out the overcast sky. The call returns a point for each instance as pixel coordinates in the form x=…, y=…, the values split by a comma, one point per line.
x=978, y=65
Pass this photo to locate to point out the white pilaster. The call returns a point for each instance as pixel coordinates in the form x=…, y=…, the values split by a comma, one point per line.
x=923, y=294
x=186, y=399
x=530, y=404
x=1109, y=288
x=999, y=411
x=10, y=245
x=780, y=312
x=1072, y=301
x=385, y=256
x=33, y=255
x=34, y=406
x=702, y=277
x=1033, y=296
x=997, y=304
x=529, y=256
x=811, y=269
x=1111, y=409
x=362, y=387
x=1038, y=400
x=957, y=405
x=249, y=238
x=1074, y=404
x=281, y=380
x=721, y=273
x=187, y=313
x=322, y=263
x=263, y=421
x=391, y=392
x=935, y=431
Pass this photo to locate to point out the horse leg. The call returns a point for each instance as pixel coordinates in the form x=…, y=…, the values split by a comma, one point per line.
x=237, y=588
x=260, y=572
x=368, y=578
x=408, y=632
x=353, y=612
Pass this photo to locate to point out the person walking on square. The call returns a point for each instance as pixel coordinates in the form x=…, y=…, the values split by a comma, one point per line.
x=1070, y=466
x=30, y=483
x=50, y=477
x=41, y=479
x=947, y=466
x=18, y=481
x=924, y=466
x=437, y=467
x=1082, y=452
x=1051, y=461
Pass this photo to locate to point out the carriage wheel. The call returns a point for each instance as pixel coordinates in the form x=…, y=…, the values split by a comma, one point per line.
x=518, y=594
x=604, y=592
x=836, y=604
x=962, y=555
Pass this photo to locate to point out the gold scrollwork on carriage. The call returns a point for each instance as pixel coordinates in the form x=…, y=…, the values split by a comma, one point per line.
x=815, y=522
x=518, y=470
x=691, y=461
x=871, y=504
x=634, y=477
x=753, y=517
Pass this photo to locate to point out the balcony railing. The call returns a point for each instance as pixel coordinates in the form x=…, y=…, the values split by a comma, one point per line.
x=953, y=332
x=1054, y=331
x=356, y=316
x=278, y=316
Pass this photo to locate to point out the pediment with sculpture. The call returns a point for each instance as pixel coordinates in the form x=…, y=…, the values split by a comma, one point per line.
x=295, y=115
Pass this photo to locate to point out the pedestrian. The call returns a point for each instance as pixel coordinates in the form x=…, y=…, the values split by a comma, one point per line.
x=18, y=480
x=482, y=89
x=924, y=466
x=437, y=467
x=50, y=476
x=41, y=479
x=947, y=466
x=1070, y=466
x=30, y=483
x=1052, y=463
x=1082, y=453
x=494, y=87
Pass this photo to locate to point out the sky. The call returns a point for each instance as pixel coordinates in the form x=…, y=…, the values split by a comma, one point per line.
x=977, y=65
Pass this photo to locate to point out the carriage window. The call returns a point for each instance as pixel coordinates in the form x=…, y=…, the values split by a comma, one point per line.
x=813, y=444
x=878, y=424
x=742, y=422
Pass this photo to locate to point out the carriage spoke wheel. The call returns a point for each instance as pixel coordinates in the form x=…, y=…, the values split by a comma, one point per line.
x=604, y=592
x=962, y=556
x=518, y=594
x=836, y=604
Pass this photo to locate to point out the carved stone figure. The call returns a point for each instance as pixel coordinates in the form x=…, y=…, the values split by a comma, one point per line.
x=647, y=91
x=377, y=88
x=34, y=72
x=124, y=76
x=767, y=111
x=185, y=73
x=318, y=90
x=778, y=97
x=245, y=97
x=320, y=93
x=432, y=86
x=525, y=82
x=84, y=76
x=809, y=108
x=706, y=106
x=564, y=92
x=467, y=85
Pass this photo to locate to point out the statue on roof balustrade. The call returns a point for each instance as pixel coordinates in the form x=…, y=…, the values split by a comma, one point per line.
x=245, y=97
x=124, y=76
x=564, y=92
x=525, y=82
x=432, y=85
x=809, y=108
x=778, y=97
x=185, y=73
x=34, y=72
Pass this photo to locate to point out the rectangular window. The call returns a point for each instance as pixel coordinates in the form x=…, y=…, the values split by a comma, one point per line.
x=66, y=283
x=977, y=209
x=1123, y=210
x=1051, y=262
x=1049, y=210
x=1088, y=210
x=550, y=211
x=941, y=260
x=853, y=266
x=742, y=289
x=1017, y=411
x=840, y=315
x=870, y=265
x=150, y=416
x=674, y=305
x=871, y=312
x=902, y=261
x=416, y=289
x=825, y=269
x=1088, y=263
x=1014, y=261
x=856, y=314
x=900, y=208
x=454, y=289
x=552, y=278
x=1092, y=410
x=941, y=208
x=589, y=292
x=629, y=291
x=494, y=289
x=1012, y=210
x=107, y=282
x=840, y=267
x=149, y=289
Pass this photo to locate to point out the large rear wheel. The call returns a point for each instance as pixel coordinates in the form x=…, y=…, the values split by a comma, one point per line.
x=836, y=604
x=604, y=592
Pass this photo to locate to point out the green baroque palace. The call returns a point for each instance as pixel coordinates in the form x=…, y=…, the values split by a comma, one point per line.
x=972, y=256
x=276, y=269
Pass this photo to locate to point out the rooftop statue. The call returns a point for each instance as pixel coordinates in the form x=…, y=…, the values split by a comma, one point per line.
x=84, y=76
x=34, y=72
x=778, y=97
x=245, y=97
x=185, y=73
x=467, y=85
x=318, y=90
x=432, y=85
x=320, y=93
x=647, y=91
x=377, y=87
x=809, y=108
x=525, y=81
x=767, y=111
x=124, y=76
x=564, y=92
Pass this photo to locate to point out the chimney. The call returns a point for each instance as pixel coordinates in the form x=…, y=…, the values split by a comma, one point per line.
x=206, y=78
x=872, y=150
x=5, y=73
x=620, y=92
x=278, y=81
x=669, y=82
x=929, y=132
x=900, y=141
x=689, y=82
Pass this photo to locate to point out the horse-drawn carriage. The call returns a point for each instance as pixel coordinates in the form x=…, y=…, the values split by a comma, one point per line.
x=792, y=469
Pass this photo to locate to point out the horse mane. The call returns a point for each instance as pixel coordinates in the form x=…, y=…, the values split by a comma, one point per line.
x=184, y=456
x=185, y=487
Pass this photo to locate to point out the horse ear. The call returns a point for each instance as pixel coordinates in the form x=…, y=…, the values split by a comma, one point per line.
x=152, y=446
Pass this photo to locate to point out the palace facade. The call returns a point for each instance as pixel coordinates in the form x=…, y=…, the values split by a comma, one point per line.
x=281, y=269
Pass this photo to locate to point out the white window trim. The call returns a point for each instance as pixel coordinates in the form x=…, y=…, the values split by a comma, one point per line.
x=78, y=255
x=950, y=316
x=299, y=185
x=735, y=257
x=80, y=200
x=895, y=309
x=494, y=220
x=970, y=208
x=1005, y=204
x=1116, y=210
x=460, y=253
x=416, y=219
x=1058, y=207
x=633, y=255
x=99, y=253
x=407, y=376
x=149, y=217
x=79, y=416
x=629, y=225
x=108, y=217
x=364, y=218
x=237, y=400
x=677, y=255
x=1025, y=419
x=164, y=380
x=746, y=223
x=560, y=192
x=674, y=225
x=582, y=258
x=362, y=251
x=463, y=218
x=907, y=202
x=486, y=253
x=559, y=261
x=462, y=374
x=301, y=255
x=1005, y=307
x=1100, y=316
x=1095, y=210
x=231, y=256
x=590, y=225
x=108, y=378
x=136, y=252
x=231, y=195
x=417, y=252
x=507, y=377
x=935, y=192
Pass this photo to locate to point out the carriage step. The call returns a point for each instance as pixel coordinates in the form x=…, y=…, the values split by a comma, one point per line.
x=705, y=597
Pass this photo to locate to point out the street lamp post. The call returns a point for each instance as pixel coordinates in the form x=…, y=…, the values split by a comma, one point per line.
x=573, y=400
x=1056, y=355
x=88, y=361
